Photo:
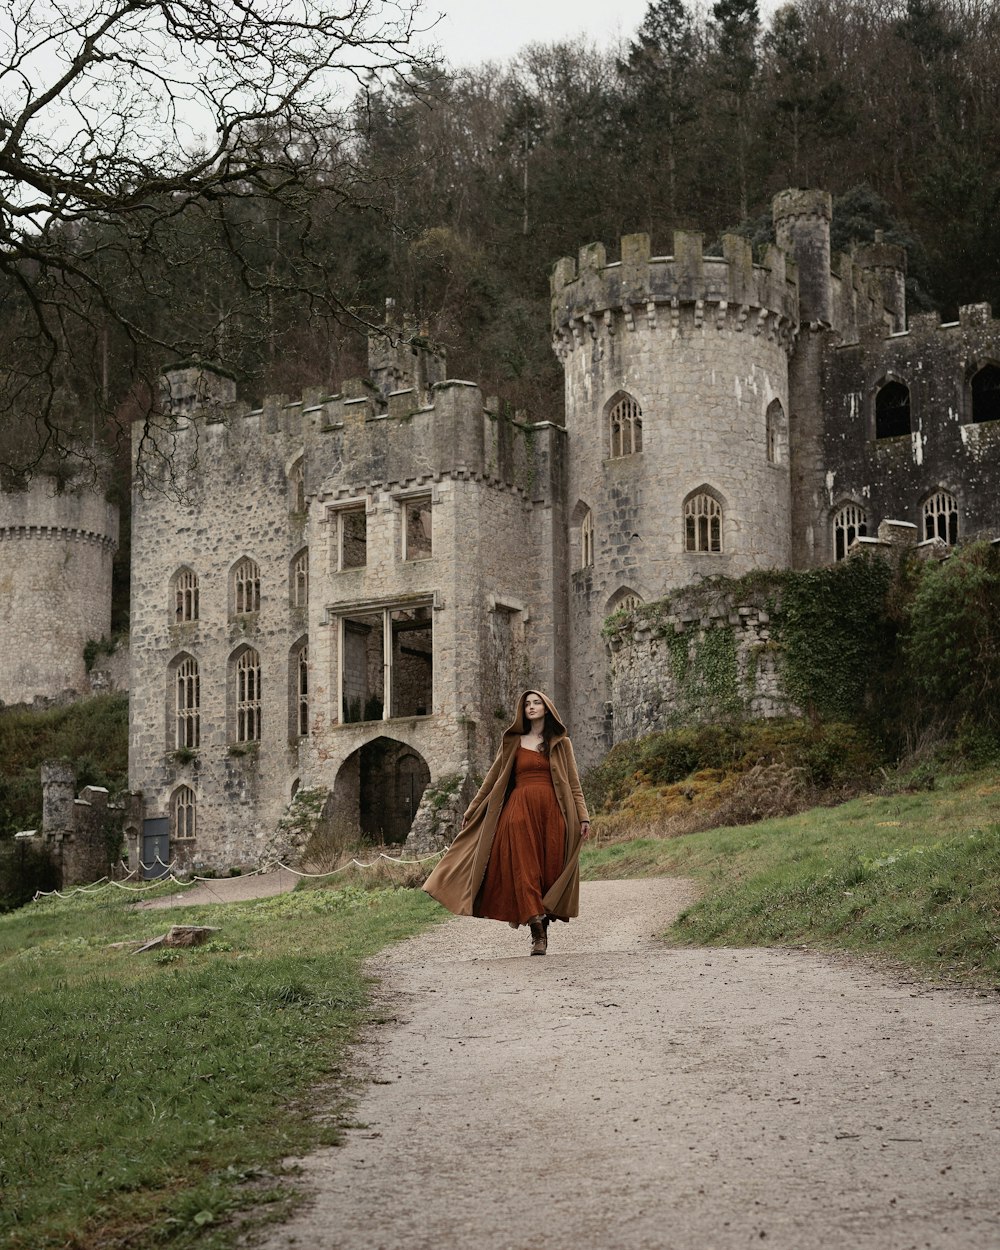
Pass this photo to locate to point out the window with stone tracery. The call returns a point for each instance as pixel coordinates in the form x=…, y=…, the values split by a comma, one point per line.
x=183, y=815
x=703, y=524
x=298, y=682
x=185, y=596
x=187, y=705
x=247, y=692
x=940, y=517
x=299, y=580
x=849, y=522
x=624, y=428
x=587, y=541
x=246, y=587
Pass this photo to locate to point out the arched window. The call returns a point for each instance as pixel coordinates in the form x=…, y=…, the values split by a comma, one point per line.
x=624, y=427
x=185, y=597
x=892, y=410
x=623, y=600
x=985, y=388
x=246, y=587
x=940, y=517
x=775, y=433
x=299, y=579
x=849, y=522
x=247, y=672
x=183, y=815
x=297, y=486
x=187, y=704
x=702, y=523
x=298, y=690
x=587, y=540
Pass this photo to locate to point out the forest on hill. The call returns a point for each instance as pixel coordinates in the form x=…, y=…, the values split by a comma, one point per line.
x=454, y=192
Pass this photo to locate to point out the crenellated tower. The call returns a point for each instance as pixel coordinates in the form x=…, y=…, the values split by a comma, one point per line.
x=58, y=537
x=676, y=371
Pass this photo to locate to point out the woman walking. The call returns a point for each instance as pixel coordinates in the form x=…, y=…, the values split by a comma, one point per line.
x=517, y=855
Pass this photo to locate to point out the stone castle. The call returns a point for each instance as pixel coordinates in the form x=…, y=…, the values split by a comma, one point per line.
x=335, y=601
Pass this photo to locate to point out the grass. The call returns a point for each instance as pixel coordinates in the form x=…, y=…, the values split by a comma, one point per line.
x=915, y=876
x=150, y=1097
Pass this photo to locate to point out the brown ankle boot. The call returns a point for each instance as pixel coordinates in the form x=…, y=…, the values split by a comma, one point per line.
x=539, y=937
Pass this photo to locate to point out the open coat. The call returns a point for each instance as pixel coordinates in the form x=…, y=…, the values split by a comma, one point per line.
x=457, y=879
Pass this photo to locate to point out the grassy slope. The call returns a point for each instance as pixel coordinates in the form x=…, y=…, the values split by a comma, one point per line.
x=151, y=1088
x=914, y=876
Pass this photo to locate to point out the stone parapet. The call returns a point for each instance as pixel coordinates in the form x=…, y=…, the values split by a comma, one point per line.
x=727, y=291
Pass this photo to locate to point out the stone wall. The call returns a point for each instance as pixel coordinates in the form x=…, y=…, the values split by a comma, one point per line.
x=945, y=449
x=57, y=542
x=695, y=657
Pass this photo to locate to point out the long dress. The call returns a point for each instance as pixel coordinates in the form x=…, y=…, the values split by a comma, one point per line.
x=529, y=849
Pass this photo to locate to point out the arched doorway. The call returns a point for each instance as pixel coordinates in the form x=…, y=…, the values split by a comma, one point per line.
x=379, y=787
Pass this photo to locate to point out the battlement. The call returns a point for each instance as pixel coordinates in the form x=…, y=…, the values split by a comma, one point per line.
x=53, y=509
x=720, y=291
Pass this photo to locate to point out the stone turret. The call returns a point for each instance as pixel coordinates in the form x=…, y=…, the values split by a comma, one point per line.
x=197, y=388
x=802, y=228
x=57, y=543
x=887, y=263
x=402, y=360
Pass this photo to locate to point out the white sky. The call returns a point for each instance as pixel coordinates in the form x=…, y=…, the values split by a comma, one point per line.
x=473, y=31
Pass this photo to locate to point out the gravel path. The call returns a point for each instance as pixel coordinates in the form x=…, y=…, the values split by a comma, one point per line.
x=622, y=1094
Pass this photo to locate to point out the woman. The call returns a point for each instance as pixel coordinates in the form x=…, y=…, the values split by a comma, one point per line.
x=517, y=855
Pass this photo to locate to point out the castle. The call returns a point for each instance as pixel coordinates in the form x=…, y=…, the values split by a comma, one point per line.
x=335, y=601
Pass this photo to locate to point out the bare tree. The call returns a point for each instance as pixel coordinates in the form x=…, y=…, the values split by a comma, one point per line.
x=156, y=157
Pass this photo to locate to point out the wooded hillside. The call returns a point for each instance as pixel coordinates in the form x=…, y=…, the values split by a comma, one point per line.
x=456, y=192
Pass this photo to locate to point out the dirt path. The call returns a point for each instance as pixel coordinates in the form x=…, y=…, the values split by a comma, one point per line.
x=621, y=1094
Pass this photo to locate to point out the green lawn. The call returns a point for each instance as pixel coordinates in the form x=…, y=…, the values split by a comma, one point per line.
x=914, y=876
x=148, y=1096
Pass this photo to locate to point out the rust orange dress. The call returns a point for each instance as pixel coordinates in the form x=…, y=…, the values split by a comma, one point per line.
x=529, y=847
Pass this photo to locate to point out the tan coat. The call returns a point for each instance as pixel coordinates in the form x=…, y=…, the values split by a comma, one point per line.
x=457, y=879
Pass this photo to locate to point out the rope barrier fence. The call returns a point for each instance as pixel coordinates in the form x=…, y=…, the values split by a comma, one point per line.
x=169, y=878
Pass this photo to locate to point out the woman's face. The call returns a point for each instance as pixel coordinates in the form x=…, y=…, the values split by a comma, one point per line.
x=534, y=708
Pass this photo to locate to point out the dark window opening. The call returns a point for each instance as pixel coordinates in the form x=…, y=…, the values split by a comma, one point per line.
x=892, y=411
x=986, y=394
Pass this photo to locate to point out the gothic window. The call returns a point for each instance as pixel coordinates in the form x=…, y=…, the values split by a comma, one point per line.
x=187, y=705
x=247, y=692
x=849, y=522
x=183, y=815
x=774, y=433
x=386, y=663
x=298, y=684
x=623, y=600
x=587, y=541
x=417, y=528
x=940, y=517
x=185, y=596
x=892, y=410
x=702, y=523
x=246, y=587
x=299, y=579
x=297, y=486
x=624, y=428
x=985, y=388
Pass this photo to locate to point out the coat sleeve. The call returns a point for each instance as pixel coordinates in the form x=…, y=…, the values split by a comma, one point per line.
x=574, y=783
x=489, y=781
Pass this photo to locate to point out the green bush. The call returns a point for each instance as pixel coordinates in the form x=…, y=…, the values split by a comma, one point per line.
x=830, y=754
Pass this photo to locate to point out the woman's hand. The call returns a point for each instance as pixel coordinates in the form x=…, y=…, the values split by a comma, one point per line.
x=584, y=829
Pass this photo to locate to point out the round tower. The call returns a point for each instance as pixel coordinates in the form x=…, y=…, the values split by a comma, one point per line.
x=57, y=542
x=802, y=228
x=676, y=371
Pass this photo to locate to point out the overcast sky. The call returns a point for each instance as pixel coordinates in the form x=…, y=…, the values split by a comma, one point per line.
x=472, y=31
